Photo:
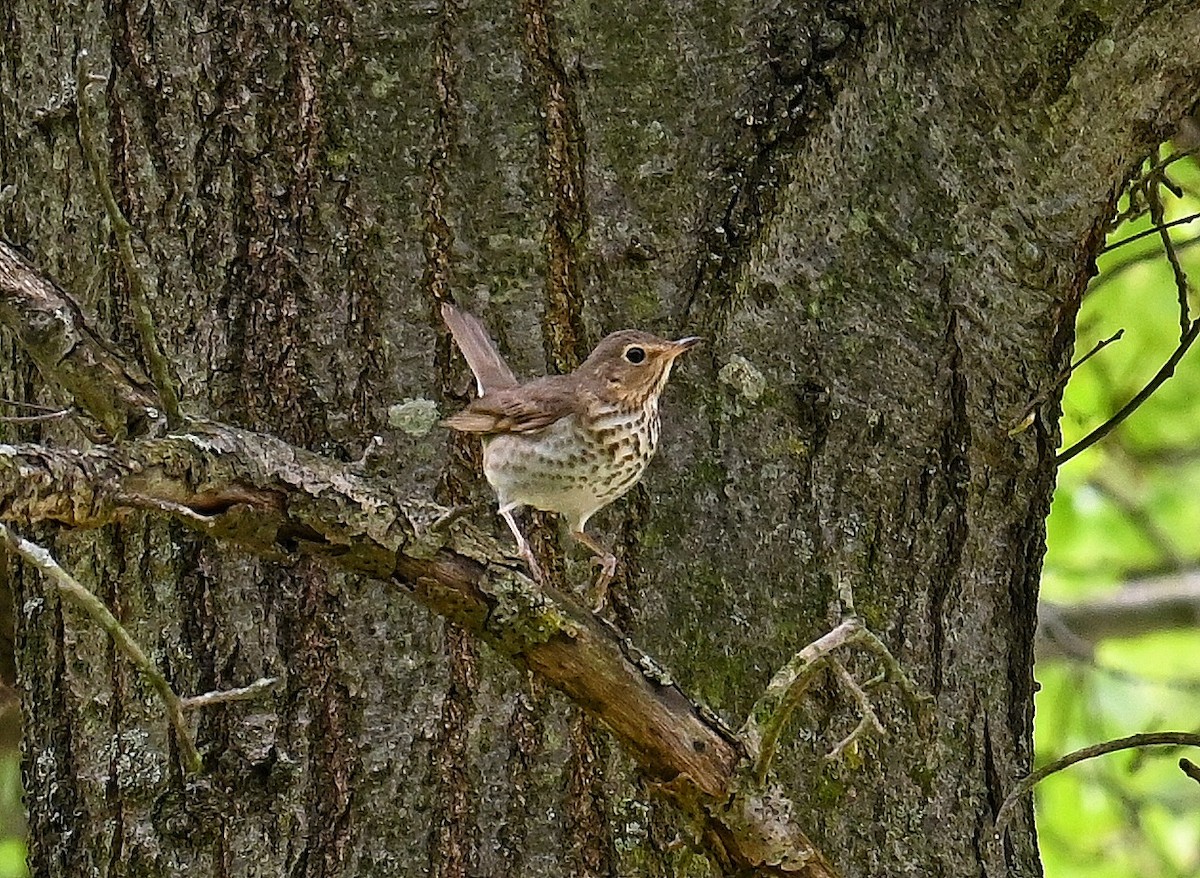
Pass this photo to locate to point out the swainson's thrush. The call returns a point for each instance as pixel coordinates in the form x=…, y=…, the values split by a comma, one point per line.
x=569, y=444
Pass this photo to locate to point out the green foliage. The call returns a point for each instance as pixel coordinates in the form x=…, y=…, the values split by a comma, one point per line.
x=12, y=818
x=1127, y=507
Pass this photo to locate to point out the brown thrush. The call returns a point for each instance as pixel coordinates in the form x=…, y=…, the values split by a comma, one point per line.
x=569, y=444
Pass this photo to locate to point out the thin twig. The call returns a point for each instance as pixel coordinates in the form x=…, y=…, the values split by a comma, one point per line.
x=1153, y=230
x=1190, y=768
x=140, y=501
x=869, y=720
x=770, y=713
x=1112, y=272
x=772, y=710
x=32, y=406
x=1026, y=784
x=224, y=696
x=1144, y=394
x=81, y=597
x=143, y=319
x=1026, y=418
x=1157, y=216
x=31, y=419
x=1096, y=348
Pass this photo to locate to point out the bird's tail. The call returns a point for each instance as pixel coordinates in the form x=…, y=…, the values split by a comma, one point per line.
x=489, y=368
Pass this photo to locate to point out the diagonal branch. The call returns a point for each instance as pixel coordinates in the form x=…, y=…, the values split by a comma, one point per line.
x=1160, y=378
x=139, y=299
x=1027, y=783
x=74, y=591
x=278, y=500
x=52, y=329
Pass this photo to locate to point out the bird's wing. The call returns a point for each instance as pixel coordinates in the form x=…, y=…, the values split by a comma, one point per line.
x=524, y=409
x=489, y=368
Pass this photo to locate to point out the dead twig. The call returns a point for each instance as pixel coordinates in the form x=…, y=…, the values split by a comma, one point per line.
x=1026, y=784
x=869, y=721
x=224, y=696
x=783, y=694
x=143, y=319
x=78, y=594
x=1144, y=394
x=1026, y=418
x=139, y=501
x=32, y=419
x=1158, y=217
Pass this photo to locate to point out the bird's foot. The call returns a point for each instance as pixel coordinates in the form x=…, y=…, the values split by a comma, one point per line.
x=608, y=569
x=534, y=568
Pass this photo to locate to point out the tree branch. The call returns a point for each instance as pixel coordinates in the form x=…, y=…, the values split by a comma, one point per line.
x=52, y=329
x=78, y=594
x=1160, y=378
x=1026, y=784
x=139, y=299
x=277, y=500
x=1136, y=608
x=783, y=694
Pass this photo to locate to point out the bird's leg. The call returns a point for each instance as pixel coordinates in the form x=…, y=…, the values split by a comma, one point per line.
x=608, y=568
x=522, y=545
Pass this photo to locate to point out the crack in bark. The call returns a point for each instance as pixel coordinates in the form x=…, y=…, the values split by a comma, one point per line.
x=567, y=225
x=526, y=733
x=453, y=843
x=588, y=825
x=955, y=463
x=785, y=98
x=565, y=340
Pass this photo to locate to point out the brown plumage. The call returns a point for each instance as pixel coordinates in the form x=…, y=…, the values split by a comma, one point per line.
x=570, y=444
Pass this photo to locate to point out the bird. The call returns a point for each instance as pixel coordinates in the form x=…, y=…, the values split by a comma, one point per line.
x=570, y=444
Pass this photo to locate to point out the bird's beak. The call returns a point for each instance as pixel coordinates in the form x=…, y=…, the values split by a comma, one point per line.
x=678, y=347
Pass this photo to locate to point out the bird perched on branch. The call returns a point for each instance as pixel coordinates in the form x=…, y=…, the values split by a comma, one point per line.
x=569, y=444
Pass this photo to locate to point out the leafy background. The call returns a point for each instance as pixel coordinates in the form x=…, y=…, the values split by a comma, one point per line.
x=1125, y=510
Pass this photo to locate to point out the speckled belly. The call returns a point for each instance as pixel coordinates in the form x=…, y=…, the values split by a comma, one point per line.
x=568, y=469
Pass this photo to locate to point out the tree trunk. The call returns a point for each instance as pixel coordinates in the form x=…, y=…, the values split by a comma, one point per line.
x=881, y=218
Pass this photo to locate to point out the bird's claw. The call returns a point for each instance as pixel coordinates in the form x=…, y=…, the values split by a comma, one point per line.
x=608, y=569
x=534, y=568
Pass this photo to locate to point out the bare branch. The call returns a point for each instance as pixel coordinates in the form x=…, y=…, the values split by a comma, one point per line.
x=1190, y=769
x=1144, y=394
x=33, y=419
x=1026, y=784
x=784, y=693
x=1153, y=230
x=224, y=696
x=1136, y=608
x=53, y=330
x=277, y=500
x=78, y=594
x=1022, y=423
x=869, y=722
x=1157, y=215
x=139, y=300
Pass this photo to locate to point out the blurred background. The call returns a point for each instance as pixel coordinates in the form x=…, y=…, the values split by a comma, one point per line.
x=1119, y=632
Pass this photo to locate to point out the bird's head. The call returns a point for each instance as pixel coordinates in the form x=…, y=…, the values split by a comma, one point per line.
x=630, y=367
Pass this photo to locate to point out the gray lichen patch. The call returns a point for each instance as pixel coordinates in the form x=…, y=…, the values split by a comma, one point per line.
x=416, y=417
x=744, y=377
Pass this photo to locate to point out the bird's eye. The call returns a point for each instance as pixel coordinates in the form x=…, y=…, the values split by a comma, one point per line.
x=635, y=354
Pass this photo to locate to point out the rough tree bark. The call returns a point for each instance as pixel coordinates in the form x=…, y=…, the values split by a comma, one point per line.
x=881, y=216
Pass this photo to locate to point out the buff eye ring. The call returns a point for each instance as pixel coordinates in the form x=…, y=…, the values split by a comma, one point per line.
x=635, y=355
